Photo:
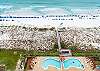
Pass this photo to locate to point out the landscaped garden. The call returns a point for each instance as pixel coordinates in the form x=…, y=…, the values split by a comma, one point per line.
x=10, y=57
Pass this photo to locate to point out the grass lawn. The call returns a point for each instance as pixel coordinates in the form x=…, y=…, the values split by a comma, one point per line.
x=94, y=53
x=9, y=58
x=45, y=53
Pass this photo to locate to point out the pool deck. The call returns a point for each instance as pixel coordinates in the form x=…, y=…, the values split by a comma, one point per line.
x=37, y=61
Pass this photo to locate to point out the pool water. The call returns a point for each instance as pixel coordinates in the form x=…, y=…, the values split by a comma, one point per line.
x=72, y=62
x=98, y=67
x=51, y=62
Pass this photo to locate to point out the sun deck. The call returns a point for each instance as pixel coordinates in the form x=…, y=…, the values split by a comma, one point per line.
x=57, y=64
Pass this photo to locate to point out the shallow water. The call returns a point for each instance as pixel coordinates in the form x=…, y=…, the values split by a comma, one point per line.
x=47, y=6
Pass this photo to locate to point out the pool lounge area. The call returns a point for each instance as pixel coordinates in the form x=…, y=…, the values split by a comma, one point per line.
x=56, y=64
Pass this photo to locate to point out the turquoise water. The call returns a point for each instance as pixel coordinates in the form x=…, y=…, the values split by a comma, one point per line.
x=72, y=63
x=51, y=62
x=46, y=6
x=98, y=67
x=66, y=63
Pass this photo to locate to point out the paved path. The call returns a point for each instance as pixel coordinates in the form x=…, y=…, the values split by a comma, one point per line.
x=59, y=44
x=58, y=40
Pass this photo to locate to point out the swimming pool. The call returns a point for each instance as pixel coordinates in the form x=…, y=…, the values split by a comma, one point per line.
x=98, y=67
x=51, y=62
x=72, y=62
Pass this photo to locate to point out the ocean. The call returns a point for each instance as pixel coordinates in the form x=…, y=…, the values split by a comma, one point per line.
x=42, y=7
